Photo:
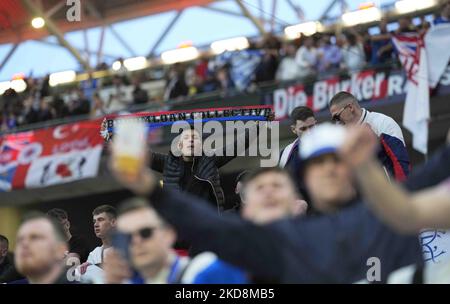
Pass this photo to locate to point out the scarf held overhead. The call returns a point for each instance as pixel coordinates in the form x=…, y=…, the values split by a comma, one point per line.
x=160, y=119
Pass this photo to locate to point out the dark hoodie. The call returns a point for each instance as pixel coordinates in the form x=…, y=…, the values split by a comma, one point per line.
x=327, y=248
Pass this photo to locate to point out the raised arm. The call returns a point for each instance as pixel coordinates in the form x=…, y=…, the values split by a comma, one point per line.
x=157, y=161
x=233, y=239
x=404, y=211
x=254, y=248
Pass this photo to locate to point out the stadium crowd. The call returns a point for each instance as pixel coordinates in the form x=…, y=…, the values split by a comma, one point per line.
x=319, y=216
x=342, y=195
x=268, y=61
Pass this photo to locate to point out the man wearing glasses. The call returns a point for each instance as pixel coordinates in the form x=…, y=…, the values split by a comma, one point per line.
x=146, y=255
x=302, y=120
x=345, y=109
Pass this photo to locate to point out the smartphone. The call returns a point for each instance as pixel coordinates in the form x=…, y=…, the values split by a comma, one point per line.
x=121, y=243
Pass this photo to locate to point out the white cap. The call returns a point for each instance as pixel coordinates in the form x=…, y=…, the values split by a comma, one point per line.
x=324, y=138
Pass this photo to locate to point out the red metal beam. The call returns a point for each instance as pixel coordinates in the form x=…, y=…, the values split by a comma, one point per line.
x=146, y=8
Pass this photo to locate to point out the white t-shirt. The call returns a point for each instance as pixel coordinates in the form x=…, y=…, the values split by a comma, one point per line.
x=96, y=256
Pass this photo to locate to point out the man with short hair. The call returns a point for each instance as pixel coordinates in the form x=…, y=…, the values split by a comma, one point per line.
x=194, y=171
x=77, y=244
x=334, y=246
x=149, y=248
x=302, y=120
x=266, y=205
x=345, y=109
x=104, y=218
x=40, y=251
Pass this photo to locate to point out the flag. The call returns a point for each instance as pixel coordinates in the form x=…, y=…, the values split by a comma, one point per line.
x=416, y=113
x=437, y=43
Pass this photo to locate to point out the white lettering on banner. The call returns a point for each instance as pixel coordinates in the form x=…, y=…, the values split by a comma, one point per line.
x=395, y=83
x=320, y=96
x=379, y=78
x=365, y=86
x=280, y=103
x=79, y=144
x=298, y=99
x=356, y=86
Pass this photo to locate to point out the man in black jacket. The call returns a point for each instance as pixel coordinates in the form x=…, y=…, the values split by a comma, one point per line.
x=198, y=175
x=339, y=245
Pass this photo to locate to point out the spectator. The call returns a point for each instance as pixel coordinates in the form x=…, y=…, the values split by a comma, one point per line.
x=8, y=272
x=151, y=254
x=269, y=207
x=445, y=13
x=224, y=79
x=40, y=251
x=201, y=69
x=81, y=105
x=329, y=55
x=239, y=189
x=104, y=218
x=176, y=83
x=45, y=86
x=353, y=56
x=45, y=111
x=345, y=109
x=211, y=83
x=267, y=68
x=307, y=57
x=194, y=171
x=77, y=244
x=5, y=263
x=288, y=68
x=98, y=108
x=405, y=26
x=381, y=45
x=60, y=108
x=140, y=96
x=344, y=232
x=117, y=99
x=31, y=115
x=302, y=120
x=408, y=213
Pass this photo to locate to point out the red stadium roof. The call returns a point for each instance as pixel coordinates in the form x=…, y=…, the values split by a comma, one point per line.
x=15, y=17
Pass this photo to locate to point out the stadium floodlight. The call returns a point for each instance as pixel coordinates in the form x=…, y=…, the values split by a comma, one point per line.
x=407, y=6
x=62, y=77
x=306, y=28
x=365, y=15
x=38, y=22
x=4, y=85
x=116, y=65
x=180, y=55
x=18, y=85
x=232, y=44
x=135, y=63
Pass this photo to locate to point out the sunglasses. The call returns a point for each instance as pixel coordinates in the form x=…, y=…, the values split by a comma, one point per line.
x=337, y=117
x=144, y=233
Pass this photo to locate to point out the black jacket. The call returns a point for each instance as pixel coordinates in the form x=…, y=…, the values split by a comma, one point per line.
x=205, y=169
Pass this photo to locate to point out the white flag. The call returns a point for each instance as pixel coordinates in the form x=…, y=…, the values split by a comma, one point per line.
x=437, y=44
x=416, y=112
